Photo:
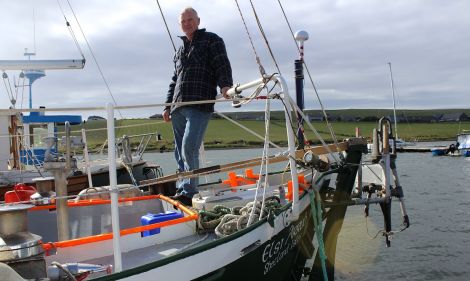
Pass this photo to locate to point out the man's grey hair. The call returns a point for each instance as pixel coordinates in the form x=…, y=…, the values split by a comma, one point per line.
x=189, y=9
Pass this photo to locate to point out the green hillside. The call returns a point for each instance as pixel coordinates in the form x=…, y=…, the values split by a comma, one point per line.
x=223, y=134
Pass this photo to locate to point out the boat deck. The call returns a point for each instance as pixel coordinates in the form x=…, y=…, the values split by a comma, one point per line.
x=154, y=253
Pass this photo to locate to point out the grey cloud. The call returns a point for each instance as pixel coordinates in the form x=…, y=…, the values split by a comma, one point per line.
x=349, y=47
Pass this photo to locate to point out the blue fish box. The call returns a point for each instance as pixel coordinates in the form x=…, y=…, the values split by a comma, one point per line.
x=155, y=218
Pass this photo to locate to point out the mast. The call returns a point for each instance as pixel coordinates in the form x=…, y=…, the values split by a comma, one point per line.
x=300, y=36
x=393, y=96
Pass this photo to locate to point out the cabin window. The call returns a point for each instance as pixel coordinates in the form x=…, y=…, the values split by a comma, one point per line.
x=38, y=135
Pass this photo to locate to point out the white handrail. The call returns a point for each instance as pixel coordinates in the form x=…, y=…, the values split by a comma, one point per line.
x=114, y=190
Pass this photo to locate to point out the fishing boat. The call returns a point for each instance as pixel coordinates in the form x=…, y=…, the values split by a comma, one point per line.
x=138, y=236
x=23, y=153
x=262, y=224
x=461, y=147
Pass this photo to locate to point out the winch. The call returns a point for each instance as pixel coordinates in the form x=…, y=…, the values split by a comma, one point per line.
x=20, y=249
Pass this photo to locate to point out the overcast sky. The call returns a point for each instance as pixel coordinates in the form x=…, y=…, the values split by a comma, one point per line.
x=351, y=42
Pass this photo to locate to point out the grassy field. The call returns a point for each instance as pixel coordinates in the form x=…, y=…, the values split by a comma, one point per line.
x=223, y=134
x=359, y=113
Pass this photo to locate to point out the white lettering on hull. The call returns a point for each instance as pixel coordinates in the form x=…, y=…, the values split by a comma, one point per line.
x=277, y=249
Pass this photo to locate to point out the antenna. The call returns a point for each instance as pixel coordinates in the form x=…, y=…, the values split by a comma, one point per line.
x=34, y=32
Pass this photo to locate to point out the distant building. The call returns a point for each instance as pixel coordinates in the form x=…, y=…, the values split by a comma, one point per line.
x=331, y=117
x=348, y=118
x=315, y=117
x=423, y=119
x=369, y=119
x=454, y=117
x=94, y=118
x=400, y=118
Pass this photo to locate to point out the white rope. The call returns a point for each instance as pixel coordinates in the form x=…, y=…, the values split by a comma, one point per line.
x=266, y=180
x=264, y=159
x=231, y=223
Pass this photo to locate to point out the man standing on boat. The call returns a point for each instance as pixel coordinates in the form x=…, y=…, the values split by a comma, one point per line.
x=201, y=64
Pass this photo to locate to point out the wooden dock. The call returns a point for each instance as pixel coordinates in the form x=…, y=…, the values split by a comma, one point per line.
x=414, y=149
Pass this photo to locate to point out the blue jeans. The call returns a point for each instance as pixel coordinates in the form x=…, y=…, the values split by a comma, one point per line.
x=189, y=126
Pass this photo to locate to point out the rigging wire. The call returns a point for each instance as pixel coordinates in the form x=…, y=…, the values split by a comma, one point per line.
x=258, y=61
x=15, y=98
x=8, y=87
x=69, y=27
x=16, y=86
x=275, y=62
x=328, y=124
x=166, y=25
x=34, y=31
x=264, y=37
x=94, y=58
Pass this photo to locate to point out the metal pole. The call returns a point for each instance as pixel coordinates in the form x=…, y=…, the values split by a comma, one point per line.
x=359, y=169
x=68, y=154
x=394, y=106
x=30, y=94
x=386, y=159
x=60, y=177
x=87, y=159
x=113, y=189
x=60, y=170
x=385, y=162
x=299, y=90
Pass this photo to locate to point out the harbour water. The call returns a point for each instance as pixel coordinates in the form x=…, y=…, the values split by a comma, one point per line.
x=437, y=244
x=435, y=247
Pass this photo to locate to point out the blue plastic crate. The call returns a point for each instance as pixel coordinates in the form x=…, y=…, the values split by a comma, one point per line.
x=155, y=218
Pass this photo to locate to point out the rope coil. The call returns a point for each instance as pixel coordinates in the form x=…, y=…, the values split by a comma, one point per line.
x=226, y=221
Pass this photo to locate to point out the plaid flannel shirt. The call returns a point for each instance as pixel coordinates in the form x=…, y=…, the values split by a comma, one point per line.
x=200, y=66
